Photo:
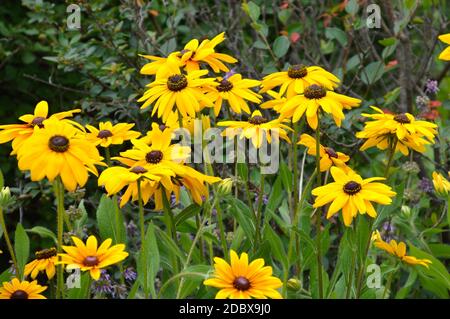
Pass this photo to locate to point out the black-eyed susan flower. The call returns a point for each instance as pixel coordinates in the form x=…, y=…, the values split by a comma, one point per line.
x=243, y=280
x=316, y=97
x=409, y=132
x=115, y=178
x=236, y=91
x=445, y=55
x=275, y=103
x=328, y=156
x=193, y=54
x=16, y=289
x=45, y=261
x=59, y=149
x=256, y=128
x=186, y=92
x=441, y=184
x=19, y=133
x=90, y=257
x=398, y=250
x=108, y=134
x=297, y=78
x=352, y=194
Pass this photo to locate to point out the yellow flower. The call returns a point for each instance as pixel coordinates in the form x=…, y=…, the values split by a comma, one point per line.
x=191, y=56
x=90, y=257
x=398, y=250
x=409, y=132
x=241, y=280
x=441, y=184
x=59, y=149
x=236, y=91
x=21, y=290
x=328, y=156
x=297, y=78
x=108, y=134
x=45, y=260
x=445, y=55
x=115, y=178
x=352, y=194
x=314, y=98
x=276, y=103
x=186, y=92
x=255, y=128
x=19, y=133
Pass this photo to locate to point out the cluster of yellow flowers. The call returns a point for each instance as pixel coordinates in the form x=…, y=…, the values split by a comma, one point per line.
x=58, y=148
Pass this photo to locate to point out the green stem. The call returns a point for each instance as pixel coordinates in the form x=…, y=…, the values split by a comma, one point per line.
x=59, y=193
x=142, y=230
x=223, y=239
x=318, y=217
x=170, y=224
x=259, y=212
x=8, y=242
x=350, y=279
x=389, y=281
x=295, y=140
x=391, y=153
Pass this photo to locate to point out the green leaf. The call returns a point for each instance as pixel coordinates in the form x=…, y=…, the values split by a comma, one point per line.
x=6, y=276
x=252, y=10
x=21, y=247
x=336, y=34
x=107, y=221
x=352, y=7
x=281, y=46
x=286, y=177
x=2, y=180
x=372, y=72
x=276, y=244
x=43, y=232
x=388, y=41
x=243, y=215
x=192, y=278
x=187, y=213
x=404, y=291
x=284, y=15
x=149, y=261
x=84, y=290
x=242, y=170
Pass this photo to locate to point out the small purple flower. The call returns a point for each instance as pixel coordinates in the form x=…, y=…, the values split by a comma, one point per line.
x=265, y=200
x=129, y=274
x=229, y=74
x=104, y=284
x=431, y=87
x=388, y=227
x=426, y=185
x=132, y=229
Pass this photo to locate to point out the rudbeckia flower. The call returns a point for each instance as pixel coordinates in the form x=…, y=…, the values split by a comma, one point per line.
x=108, y=134
x=21, y=290
x=243, y=280
x=90, y=257
x=297, y=78
x=352, y=194
x=275, y=103
x=398, y=250
x=256, y=128
x=59, y=149
x=186, y=92
x=193, y=53
x=314, y=98
x=409, y=132
x=328, y=156
x=114, y=179
x=236, y=91
x=19, y=133
x=445, y=55
x=45, y=260
x=441, y=184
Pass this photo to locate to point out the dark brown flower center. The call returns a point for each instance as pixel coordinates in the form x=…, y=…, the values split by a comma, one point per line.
x=257, y=120
x=104, y=134
x=315, y=92
x=46, y=253
x=38, y=121
x=402, y=118
x=297, y=71
x=90, y=261
x=224, y=86
x=241, y=283
x=177, y=82
x=352, y=188
x=154, y=157
x=331, y=152
x=138, y=170
x=19, y=294
x=58, y=143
